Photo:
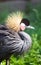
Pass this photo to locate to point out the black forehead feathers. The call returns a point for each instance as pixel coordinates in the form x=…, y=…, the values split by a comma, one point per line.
x=25, y=21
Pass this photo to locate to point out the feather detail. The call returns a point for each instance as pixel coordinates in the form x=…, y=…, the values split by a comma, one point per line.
x=13, y=21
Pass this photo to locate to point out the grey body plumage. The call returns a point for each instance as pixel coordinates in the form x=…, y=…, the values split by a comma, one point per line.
x=13, y=43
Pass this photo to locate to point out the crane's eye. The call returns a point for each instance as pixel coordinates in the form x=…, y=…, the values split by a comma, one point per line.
x=25, y=21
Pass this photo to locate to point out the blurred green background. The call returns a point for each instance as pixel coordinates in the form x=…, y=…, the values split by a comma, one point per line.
x=33, y=13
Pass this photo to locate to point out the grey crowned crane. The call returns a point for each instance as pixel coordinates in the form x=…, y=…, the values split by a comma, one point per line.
x=13, y=40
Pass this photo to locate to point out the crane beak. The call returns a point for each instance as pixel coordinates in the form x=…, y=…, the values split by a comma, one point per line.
x=30, y=27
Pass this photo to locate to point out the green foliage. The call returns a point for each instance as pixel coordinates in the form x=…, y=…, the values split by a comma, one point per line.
x=3, y=15
x=28, y=7
x=33, y=56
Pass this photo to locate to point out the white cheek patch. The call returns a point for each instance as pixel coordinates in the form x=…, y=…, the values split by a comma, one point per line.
x=22, y=26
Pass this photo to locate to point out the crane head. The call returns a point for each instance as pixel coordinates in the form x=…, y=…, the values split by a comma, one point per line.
x=25, y=24
x=16, y=22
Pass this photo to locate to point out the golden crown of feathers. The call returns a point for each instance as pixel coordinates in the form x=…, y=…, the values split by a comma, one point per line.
x=13, y=21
